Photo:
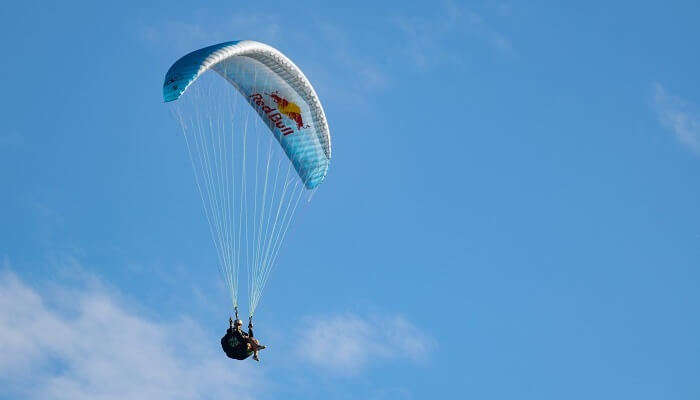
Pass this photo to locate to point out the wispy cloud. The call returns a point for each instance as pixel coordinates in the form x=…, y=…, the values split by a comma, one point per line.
x=11, y=139
x=63, y=343
x=504, y=9
x=345, y=65
x=679, y=116
x=368, y=74
x=429, y=38
x=207, y=29
x=348, y=343
x=322, y=49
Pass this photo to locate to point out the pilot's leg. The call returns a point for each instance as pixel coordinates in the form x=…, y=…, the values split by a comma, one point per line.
x=256, y=344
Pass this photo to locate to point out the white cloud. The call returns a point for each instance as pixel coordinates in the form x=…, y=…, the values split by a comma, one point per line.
x=679, y=116
x=347, y=343
x=62, y=343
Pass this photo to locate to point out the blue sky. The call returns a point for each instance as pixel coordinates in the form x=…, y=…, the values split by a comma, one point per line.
x=511, y=210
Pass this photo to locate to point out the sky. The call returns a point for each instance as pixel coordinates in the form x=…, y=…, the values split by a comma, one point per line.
x=512, y=209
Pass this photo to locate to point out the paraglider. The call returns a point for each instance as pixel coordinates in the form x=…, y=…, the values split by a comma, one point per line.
x=240, y=345
x=258, y=140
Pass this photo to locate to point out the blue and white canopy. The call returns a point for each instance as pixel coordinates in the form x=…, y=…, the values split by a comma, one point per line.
x=276, y=88
x=250, y=182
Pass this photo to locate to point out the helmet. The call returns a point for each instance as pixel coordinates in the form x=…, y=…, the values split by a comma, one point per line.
x=237, y=323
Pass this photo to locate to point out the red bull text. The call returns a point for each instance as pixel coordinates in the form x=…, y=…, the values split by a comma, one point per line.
x=284, y=107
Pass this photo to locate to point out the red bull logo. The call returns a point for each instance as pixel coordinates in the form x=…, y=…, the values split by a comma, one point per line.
x=272, y=114
x=285, y=107
x=288, y=108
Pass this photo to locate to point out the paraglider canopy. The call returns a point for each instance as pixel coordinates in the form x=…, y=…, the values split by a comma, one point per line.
x=277, y=90
x=242, y=164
